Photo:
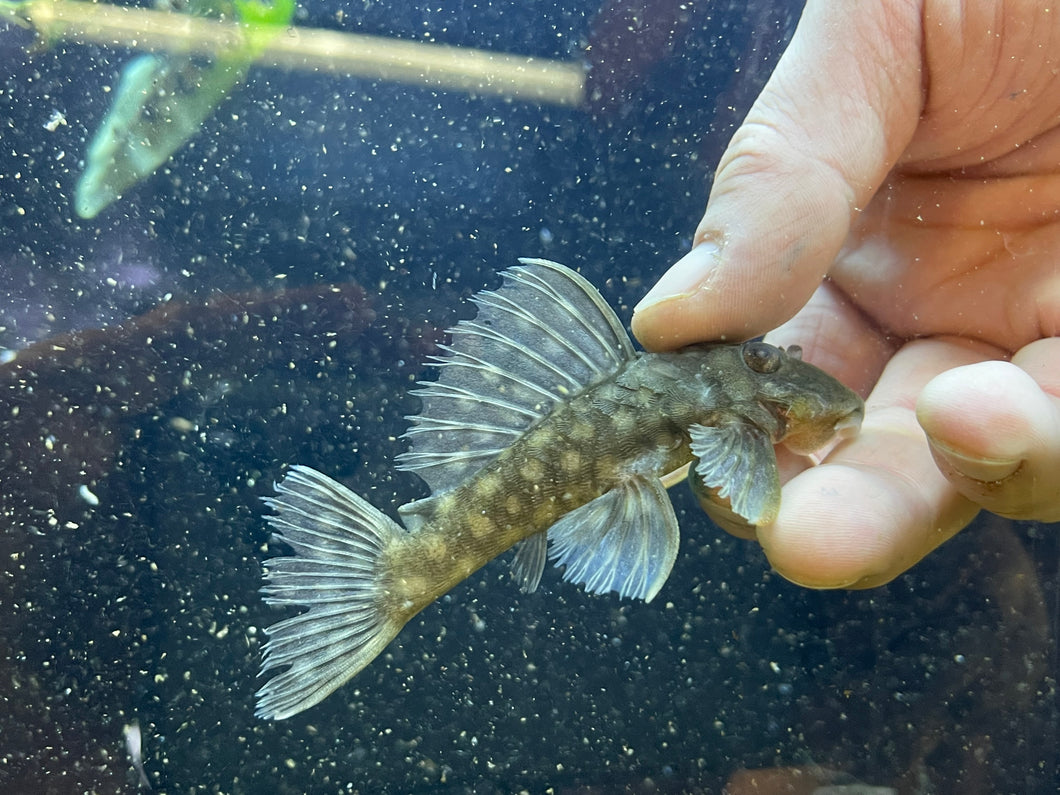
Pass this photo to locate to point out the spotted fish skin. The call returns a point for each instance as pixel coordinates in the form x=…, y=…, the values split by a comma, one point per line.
x=546, y=431
x=581, y=452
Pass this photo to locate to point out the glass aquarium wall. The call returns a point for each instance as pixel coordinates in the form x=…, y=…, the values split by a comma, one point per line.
x=233, y=235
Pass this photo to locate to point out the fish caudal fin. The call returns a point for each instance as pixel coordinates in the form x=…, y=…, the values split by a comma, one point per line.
x=336, y=572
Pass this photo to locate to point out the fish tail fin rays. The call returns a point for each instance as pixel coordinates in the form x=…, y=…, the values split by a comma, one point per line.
x=337, y=572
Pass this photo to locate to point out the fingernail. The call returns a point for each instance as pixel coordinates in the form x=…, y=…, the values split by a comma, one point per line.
x=985, y=470
x=684, y=277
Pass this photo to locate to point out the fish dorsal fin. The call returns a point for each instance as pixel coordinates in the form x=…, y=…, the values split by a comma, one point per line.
x=624, y=541
x=737, y=462
x=540, y=339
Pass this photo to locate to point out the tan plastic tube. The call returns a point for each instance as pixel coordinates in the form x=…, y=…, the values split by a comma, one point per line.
x=311, y=50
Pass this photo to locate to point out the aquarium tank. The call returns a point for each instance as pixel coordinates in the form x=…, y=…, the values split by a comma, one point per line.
x=234, y=233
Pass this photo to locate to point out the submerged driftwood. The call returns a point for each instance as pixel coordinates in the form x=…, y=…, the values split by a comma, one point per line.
x=68, y=403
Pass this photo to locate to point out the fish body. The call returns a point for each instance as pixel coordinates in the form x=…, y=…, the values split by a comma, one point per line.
x=547, y=431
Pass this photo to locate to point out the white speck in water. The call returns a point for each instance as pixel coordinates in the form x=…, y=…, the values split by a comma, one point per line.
x=85, y=493
x=55, y=121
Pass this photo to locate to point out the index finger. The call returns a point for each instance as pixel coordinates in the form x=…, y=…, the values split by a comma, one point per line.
x=839, y=109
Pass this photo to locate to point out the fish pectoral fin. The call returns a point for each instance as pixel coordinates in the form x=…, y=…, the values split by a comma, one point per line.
x=529, y=562
x=624, y=541
x=736, y=461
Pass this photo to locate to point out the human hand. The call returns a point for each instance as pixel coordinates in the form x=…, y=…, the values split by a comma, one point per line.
x=910, y=153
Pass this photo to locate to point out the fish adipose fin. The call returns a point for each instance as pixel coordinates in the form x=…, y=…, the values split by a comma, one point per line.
x=544, y=336
x=624, y=541
x=335, y=572
x=736, y=461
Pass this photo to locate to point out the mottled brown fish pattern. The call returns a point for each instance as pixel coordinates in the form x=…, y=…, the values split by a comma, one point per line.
x=545, y=430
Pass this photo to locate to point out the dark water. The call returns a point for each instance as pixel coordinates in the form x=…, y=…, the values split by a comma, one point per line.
x=270, y=297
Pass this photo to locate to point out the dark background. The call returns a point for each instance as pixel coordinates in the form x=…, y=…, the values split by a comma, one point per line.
x=238, y=341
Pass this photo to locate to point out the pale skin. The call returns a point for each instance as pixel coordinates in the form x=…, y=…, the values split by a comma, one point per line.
x=908, y=155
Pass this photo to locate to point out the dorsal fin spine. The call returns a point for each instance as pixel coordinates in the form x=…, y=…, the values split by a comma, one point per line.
x=435, y=424
x=489, y=333
x=435, y=389
x=462, y=359
x=517, y=310
x=618, y=332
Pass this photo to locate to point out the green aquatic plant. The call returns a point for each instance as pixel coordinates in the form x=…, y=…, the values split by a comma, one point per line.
x=162, y=101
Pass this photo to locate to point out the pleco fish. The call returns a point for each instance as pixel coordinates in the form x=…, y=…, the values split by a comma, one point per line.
x=548, y=430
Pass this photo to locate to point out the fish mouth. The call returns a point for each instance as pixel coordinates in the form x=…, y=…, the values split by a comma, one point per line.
x=848, y=427
x=813, y=435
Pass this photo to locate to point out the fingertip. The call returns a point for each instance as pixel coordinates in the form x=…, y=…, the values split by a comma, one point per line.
x=980, y=407
x=687, y=276
x=714, y=294
x=952, y=410
x=865, y=516
x=995, y=434
x=677, y=310
x=985, y=418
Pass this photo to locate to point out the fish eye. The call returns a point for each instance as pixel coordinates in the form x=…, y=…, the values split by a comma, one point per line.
x=762, y=357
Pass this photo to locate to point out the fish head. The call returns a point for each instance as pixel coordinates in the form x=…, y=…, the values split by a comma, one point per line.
x=811, y=407
x=794, y=402
x=763, y=395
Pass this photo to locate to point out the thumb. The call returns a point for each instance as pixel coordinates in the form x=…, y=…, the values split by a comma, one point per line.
x=834, y=117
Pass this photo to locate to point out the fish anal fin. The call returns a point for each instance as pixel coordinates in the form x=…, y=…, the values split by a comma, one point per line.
x=528, y=565
x=624, y=541
x=414, y=514
x=736, y=462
